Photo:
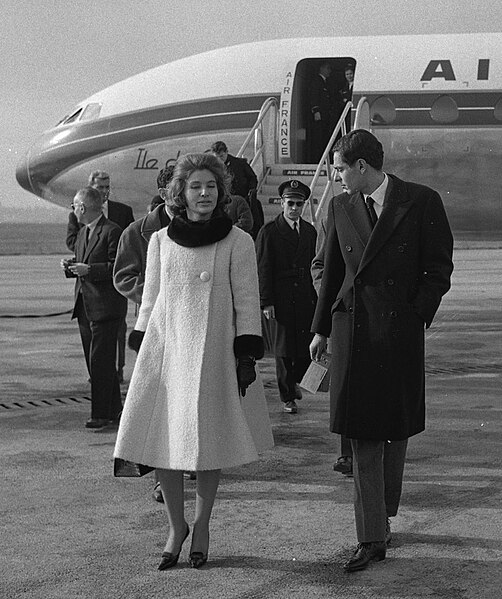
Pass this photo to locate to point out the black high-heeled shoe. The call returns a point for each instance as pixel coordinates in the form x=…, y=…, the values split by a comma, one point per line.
x=197, y=559
x=169, y=560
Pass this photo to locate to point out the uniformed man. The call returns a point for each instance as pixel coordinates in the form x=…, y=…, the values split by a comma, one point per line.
x=285, y=248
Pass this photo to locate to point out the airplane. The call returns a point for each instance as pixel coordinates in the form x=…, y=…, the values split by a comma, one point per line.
x=434, y=101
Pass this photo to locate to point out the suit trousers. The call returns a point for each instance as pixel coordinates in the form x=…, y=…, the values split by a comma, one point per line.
x=121, y=343
x=378, y=479
x=289, y=371
x=345, y=446
x=99, y=342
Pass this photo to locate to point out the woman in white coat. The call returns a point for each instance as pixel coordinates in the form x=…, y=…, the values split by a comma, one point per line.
x=199, y=332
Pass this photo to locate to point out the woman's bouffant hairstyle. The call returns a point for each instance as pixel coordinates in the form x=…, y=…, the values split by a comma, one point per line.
x=184, y=167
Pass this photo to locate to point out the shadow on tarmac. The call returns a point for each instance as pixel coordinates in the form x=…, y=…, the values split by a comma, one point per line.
x=282, y=526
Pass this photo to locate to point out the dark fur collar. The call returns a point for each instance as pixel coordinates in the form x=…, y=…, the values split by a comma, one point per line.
x=196, y=234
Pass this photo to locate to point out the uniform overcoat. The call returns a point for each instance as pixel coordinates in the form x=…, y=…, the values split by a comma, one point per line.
x=379, y=290
x=284, y=260
x=183, y=410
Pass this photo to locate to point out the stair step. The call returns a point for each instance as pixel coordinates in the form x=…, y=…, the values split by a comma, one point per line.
x=278, y=179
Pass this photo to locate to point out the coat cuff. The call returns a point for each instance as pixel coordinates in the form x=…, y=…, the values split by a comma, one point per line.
x=249, y=345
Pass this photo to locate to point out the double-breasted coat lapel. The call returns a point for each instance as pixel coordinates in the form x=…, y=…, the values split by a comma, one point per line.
x=290, y=237
x=396, y=205
x=357, y=215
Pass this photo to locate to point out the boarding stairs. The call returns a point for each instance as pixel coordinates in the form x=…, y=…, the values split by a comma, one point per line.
x=277, y=173
x=271, y=172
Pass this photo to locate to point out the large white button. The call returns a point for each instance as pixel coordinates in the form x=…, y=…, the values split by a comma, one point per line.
x=205, y=276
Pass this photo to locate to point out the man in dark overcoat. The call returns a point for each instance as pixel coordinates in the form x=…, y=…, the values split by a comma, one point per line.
x=285, y=248
x=324, y=105
x=388, y=262
x=98, y=307
x=244, y=183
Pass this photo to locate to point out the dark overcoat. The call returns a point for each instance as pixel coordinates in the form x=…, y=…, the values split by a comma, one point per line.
x=284, y=260
x=243, y=176
x=379, y=290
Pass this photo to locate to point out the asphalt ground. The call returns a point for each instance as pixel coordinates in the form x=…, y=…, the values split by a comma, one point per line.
x=283, y=526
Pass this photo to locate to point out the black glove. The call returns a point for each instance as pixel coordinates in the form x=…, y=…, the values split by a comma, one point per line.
x=135, y=339
x=246, y=373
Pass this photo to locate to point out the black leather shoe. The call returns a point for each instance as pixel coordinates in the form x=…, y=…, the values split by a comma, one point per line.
x=170, y=559
x=364, y=553
x=290, y=407
x=388, y=532
x=343, y=464
x=197, y=559
x=96, y=423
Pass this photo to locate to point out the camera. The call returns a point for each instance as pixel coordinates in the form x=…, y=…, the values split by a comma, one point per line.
x=66, y=262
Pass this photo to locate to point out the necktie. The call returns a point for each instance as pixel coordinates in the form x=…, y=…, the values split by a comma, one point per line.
x=87, y=232
x=295, y=228
x=371, y=211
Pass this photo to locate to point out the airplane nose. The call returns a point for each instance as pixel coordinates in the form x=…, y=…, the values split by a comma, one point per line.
x=23, y=174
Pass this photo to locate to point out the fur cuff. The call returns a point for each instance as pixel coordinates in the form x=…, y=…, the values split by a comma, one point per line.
x=249, y=345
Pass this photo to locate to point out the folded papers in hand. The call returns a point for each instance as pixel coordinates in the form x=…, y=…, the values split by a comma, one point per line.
x=317, y=376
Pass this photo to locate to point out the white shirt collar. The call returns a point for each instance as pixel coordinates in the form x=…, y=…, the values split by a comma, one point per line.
x=379, y=194
x=92, y=225
x=291, y=223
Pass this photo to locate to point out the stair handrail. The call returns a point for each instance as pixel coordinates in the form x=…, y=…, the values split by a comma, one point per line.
x=328, y=190
x=341, y=125
x=256, y=132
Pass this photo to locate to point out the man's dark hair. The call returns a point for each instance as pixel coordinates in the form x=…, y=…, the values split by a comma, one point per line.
x=165, y=175
x=219, y=146
x=360, y=144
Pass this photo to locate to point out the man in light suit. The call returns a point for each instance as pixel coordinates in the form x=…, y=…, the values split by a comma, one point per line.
x=388, y=262
x=122, y=215
x=98, y=307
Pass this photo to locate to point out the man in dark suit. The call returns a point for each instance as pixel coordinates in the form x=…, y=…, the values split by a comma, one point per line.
x=122, y=215
x=285, y=248
x=117, y=212
x=98, y=307
x=388, y=262
x=323, y=108
x=244, y=183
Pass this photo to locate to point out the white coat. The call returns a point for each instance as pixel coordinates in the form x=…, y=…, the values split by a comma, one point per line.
x=183, y=410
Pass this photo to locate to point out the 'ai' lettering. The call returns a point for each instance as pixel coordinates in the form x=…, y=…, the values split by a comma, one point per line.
x=440, y=69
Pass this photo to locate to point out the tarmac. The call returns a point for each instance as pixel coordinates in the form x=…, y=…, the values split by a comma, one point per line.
x=282, y=526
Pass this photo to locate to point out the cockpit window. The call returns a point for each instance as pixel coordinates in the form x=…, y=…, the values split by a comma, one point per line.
x=91, y=112
x=87, y=113
x=71, y=118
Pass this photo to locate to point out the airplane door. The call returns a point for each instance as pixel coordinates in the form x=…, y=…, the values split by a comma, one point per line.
x=306, y=135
